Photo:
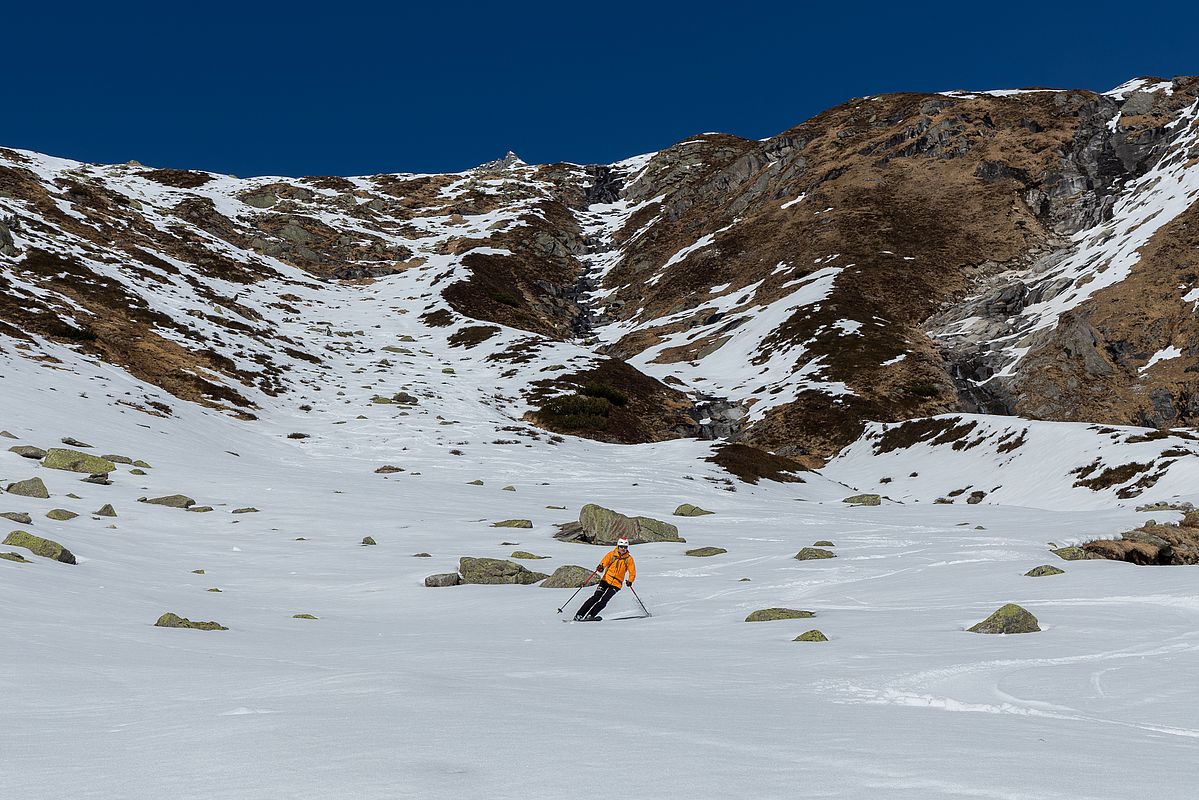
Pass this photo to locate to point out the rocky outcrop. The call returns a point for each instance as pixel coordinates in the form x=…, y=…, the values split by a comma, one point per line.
x=75, y=461
x=172, y=620
x=599, y=525
x=494, y=570
x=1010, y=618
x=45, y=548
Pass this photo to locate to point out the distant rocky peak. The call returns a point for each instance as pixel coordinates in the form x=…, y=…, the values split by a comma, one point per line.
x=509, y=161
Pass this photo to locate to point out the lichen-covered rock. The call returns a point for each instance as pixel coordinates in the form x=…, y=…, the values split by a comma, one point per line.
x=100, y=478
x=688, y=510
x=117, y=459
x=570, y=577
x=771, y=614
x=823, y=543
x=19, y=517
x=136, y=472
x=61, y=514
x=599, y=525
x=512, y=523
x=33, y=487
x=1072, y=553
x=170, y=620
x=812, y=553
x=368, y=540
x=39, y=546
x=15, y=557
x=475, y=482
x=526, y=555
x=302, y=616
x=171, y=500
x=495, y=570
x=75, y=461
x=863, y=500
x=704, y=552
x=422, y=555
x=71, y=441
x=28, y=451
x=213, y=589
x=200, y=509
x=443, y=579
x=388, y=469
x=1043, y=570
x=813, y=635
x=8, y=435
x=246, y=510
x=508, y=488
x=142, y=464
x=1011, y=618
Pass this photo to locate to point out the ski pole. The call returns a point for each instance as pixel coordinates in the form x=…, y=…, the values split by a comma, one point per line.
x=572, y=597
x=643, y=608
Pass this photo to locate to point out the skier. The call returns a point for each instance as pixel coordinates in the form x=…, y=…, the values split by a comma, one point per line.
x=615, y=566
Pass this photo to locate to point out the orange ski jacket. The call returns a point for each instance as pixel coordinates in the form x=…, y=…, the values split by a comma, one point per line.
x=615, y=567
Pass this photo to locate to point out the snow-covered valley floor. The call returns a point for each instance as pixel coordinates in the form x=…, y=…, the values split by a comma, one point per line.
x=403, y=691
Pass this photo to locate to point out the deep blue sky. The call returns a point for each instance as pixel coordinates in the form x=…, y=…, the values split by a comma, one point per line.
x=345, y=87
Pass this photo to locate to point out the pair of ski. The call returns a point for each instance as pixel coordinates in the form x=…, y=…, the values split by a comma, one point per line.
x=601, y=619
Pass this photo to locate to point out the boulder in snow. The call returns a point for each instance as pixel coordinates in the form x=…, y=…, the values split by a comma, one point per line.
x=772, y=614
x=39, y=546
x=495, y=570
x=1011, y=618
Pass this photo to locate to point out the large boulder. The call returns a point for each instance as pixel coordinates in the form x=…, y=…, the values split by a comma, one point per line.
x=814, y=635
x=39, y=546
x=495, y=570
x=599, y=525
x=812, y=553
x=443, y=579
x=19, y=517
x=1011, y=618
x=33, y=487
x=28, y=451
x=689, y=510
x=75, y=461
x=771, y=614
x=169, y=620
x=570, y=577
x=171, y=500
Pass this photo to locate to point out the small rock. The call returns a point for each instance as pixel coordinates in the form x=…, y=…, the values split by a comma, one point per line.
x=100, y=478
x=863, y=500
x=171, y=500
x=813, y=635
x=526, y=555
x=744, y=580
x=169, y=620
x=19, y=517
x=388, y=469
x=557, y=508
x=15, y=557
x=197, y=572
x=508, y=488
x=142, y=464
x=811, y=553
x=1043, y=570
x=106, y=510
x=246, y=510
x=69, y=442
x=421, y=555
x=213, y=589
x=771, y=614
x=368, y=540
x=443, y=579
x=8, y=435
x=118, y=459
x=74, y=461
x=39, y=546
x=32, y=487
x=570, y=576
x=688, y=510
x=1072, y=553
x=512, y=523
x=474, y=483
x=704, y=552
x=136, y=472
x=302, y=616
x=1011, y=618
x=61, y=514
x=200, y=509
x=823, y=543
x=28, y=451
x=298, y=436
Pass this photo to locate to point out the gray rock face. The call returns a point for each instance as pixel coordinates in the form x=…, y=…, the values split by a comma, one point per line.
x=494, y=570
x=7, y=246
x=443, y=579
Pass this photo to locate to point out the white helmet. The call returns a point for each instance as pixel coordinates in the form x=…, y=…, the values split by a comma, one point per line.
x=622, y=542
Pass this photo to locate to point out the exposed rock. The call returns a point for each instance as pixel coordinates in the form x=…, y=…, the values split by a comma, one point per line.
x=443, y=579
x=61, y=514
x=512, y=523
x=811, y=553
x=823, y=543
x=303, y=616
x=200, y=509
x=142, y=464
x=28, y=451
x=197, y=572
x=422, y=555
x=33, y=487
x=508, y=488
x=19, y=517
x=246, y=510
x=15, y=557
x=170, y=620
x=213, y=589
x=1011, y=618
x=813, y=635
x=771, y=614
x=863, y=500
x=171, y=500
x=45, y=548
x=570, y=577
x=75, y=461
x=118, y=459
x=599, y=525
x=494, y=570
x=526, y=555
x=368, y=540
x=388, y=469
x=71, y=442
x=688, y=510
x=136, y=472
x=703, y=552
x=1043, y=570
x=1072, y=553
x=100, y=479
x=7, y=435
x=474, y=483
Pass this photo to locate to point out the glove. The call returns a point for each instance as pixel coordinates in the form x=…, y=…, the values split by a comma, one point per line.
x=628, y=583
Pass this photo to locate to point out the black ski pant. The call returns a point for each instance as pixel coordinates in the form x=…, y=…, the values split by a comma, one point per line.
x=593, y=605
